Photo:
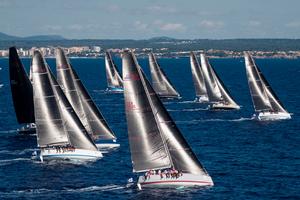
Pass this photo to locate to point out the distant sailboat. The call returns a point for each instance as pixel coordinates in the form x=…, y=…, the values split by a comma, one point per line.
x=267, y=105
x=198, y=78
x=114, y=80
x=217, y=93
x=160, y=82
x=22, y=94
x=81, y=101
x=155, y=141
x=60, y=134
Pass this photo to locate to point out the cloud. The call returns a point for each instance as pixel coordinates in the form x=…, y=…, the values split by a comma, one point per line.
x=113, y=8
x=254, y=23
x=173, y=27
x=294, y=24
x=140, y=25
x=210, y=24
x=51, y=27
x=161, y=9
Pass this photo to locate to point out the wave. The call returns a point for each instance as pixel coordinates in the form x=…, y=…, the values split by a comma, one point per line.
x=17, y=152
x=1, y=85
x=11, y=161
x=111, y=187
x=187, y=110
x=182, y=102
x=216, y=120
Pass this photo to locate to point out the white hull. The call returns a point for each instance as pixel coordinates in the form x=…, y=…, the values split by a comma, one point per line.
x=187, y=180
x=221, y=106
x=107, y=146
x=202, y=99
x=269, y=116
x=77, y=154
x=115, y=89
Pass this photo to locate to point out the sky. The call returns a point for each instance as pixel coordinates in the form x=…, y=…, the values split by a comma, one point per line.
x=143, y=19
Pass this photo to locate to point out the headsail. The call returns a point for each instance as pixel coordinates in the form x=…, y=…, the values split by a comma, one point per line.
x=81, y=101
x=56, y=121
x=216, y=90
x=112, y=74
x=178, y=150
x=263, y=97
x=21, y=89
x=198, y=77
x=160, y=81
x=148, y=150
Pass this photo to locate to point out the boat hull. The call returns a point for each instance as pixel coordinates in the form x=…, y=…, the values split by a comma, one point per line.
x=202, y=99
x=77, y=154
x=269, y=116
x=28, y=129
x=186, y=180
x=221, y=106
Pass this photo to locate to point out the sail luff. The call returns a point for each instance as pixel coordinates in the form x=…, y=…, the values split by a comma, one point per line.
x=182, y=156
x=146, y=144
x=160, y=81
x=197, y=74
x=21, y=89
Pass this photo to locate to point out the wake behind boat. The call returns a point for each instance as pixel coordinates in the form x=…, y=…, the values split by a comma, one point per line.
x=114, y=80
x=161, y=83
x=60, y=133
x=267, y=105
x=218, y=95
x=156, y=144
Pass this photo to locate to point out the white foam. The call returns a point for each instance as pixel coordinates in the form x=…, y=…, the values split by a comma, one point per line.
x=188, y=110
x=14, y=160
x=216, y=120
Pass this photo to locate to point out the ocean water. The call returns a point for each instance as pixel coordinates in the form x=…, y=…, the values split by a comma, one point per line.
x=246, y=159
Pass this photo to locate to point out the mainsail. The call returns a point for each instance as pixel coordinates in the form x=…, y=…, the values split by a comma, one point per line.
x=137, y=90
x=80, y=100
x=56, y=121
x=112, y=74
x=263, y=97
x=160, y=81
x=21, y=89
x=198, y=77
x=216, y=90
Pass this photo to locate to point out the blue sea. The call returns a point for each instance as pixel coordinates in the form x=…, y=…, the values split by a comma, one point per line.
x=247, y=159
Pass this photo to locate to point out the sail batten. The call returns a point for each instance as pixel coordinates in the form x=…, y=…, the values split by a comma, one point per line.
x=160, y=81
x=80, y=99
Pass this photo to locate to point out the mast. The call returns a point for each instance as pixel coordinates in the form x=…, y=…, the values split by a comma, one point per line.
x=112, y=74
x=21, y=89
x=80, y=99
x=57, y=123
x=146, y=144
x=160, y=81
x=197, y=74
x=181, y=155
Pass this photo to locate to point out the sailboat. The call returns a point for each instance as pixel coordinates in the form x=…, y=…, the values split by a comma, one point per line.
x=114, y=80
x=160, y=82
x=82, y=103
x=217, y=93
x=198, y=79
x=60, y=133
x=155, y=141
x=22, y=95
x=267, y=105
